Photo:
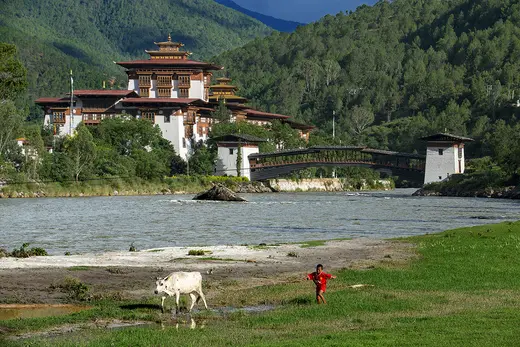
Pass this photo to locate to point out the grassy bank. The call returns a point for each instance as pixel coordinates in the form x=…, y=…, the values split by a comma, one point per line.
x=489, y=183
x=109, y=187
x=462, y=289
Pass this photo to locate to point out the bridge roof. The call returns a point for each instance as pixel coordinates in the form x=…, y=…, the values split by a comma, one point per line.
x=392, y=153
x=316, y=149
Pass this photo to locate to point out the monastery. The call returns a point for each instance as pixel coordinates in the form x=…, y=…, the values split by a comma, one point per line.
x=169, y=90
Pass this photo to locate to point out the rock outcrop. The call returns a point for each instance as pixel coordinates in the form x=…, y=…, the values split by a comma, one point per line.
x=220, y=193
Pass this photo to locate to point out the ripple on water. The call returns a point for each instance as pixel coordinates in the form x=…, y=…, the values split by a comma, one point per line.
x=113, y=223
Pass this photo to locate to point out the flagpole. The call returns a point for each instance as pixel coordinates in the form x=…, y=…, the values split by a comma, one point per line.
x=71, y=101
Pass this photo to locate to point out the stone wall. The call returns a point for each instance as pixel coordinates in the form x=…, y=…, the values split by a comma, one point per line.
x=322, y=185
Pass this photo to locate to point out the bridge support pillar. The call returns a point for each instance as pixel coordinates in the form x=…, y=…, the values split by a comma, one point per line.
x=233, y=152
x=444, y=156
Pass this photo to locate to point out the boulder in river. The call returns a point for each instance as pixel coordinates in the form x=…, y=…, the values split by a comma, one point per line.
x=220, y=193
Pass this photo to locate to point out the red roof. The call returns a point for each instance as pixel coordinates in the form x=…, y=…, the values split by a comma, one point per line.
x=165, y=62
x=264, y=114
x=52, y=100
x=103, y=92
x=160, y=100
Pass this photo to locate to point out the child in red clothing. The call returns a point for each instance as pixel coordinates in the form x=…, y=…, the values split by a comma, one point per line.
x=320, y=280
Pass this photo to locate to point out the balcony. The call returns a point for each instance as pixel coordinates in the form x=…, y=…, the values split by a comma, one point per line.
x=164, y=82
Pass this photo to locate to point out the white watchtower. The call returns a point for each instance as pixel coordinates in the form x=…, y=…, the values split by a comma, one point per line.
x=233, y=149
x=444, y=156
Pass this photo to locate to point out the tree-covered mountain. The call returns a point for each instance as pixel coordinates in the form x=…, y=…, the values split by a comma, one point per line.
x=394, y=72
x=275, y=23
x=54, y=36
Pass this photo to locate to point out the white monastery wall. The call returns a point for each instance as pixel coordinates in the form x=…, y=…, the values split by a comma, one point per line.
x=133, y=85
x=175, y=90
x=197, y=90
x=226, y=163
x=153, y=89
x=440, y=166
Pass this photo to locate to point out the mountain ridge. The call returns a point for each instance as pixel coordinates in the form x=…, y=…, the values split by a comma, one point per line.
x=273, y=22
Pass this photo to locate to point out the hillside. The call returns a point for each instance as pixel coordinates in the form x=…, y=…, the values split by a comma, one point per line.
x=395, y=72
x=54, y=36
x=275, y=23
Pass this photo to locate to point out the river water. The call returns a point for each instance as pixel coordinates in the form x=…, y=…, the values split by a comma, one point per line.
x=97, y=224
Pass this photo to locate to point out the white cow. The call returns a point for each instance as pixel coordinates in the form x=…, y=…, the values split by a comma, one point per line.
x=178, y=283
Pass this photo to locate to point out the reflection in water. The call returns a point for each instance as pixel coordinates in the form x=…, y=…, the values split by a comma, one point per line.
x=188, y=323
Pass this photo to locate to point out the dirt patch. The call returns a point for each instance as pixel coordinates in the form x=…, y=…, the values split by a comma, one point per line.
x=131, y=275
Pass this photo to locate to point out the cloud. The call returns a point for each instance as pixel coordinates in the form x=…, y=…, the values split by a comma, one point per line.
x=301, y=10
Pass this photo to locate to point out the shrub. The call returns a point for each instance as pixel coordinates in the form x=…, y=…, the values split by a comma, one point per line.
x=23, y=252
x=198, y=252
x=75, y=289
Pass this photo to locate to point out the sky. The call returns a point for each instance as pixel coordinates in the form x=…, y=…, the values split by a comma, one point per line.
x=304, y=11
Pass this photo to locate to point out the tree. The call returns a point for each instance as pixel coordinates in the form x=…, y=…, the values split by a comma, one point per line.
x=332, y=70
x=360, y=119
x=82, y=151
x=10, y=125
x=202, y=161
x=222, y=113
x=13, y=75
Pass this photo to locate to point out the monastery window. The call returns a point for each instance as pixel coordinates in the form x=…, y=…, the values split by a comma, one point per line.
x=164, y=80
x=183, y=142
x=441, y=151
x=164, y=92
x=144, y=92
x=148, y=115
x=184, y=80
x=203, y=119
x=167, y=118
x=460, y=152
x=58, y=117
x=231, y=151
x=183, y=93
x=144, y=80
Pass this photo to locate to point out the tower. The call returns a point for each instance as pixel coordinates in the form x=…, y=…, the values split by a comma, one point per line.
x=444, y=156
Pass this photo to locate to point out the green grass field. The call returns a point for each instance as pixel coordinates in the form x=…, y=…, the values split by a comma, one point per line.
x=462, y=289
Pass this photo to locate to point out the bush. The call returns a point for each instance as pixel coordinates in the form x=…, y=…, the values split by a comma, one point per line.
x=198, y=252
x=23, y=252
x=75, y=289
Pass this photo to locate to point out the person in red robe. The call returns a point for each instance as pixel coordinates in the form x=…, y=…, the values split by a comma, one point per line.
x=319, y=277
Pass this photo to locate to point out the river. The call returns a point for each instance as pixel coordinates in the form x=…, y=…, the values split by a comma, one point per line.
x=97, y=224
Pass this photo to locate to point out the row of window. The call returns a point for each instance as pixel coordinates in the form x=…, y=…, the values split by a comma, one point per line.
x=164, y=92
x=96, y=116
x=145, y=80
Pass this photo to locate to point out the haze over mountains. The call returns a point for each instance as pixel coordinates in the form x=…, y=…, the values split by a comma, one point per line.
x=305, y=11
x=275, y=23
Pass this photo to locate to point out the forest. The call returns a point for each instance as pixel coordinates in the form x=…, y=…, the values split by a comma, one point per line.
x=391, y=73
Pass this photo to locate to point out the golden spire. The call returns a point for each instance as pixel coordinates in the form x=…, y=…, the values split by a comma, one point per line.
x=169, y=37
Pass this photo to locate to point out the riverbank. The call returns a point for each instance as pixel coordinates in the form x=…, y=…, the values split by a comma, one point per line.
x=392, y=293
x=187, y=185
x=480, y=184
x=119, y=187
x=131, y=274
